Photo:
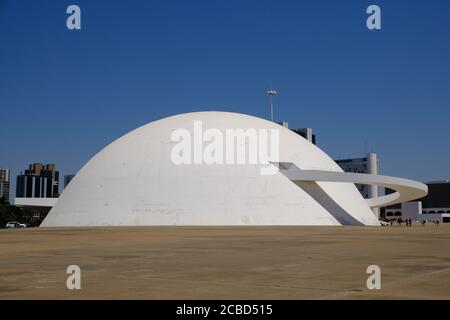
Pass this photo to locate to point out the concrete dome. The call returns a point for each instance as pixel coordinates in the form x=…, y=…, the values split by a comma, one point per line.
x=135, y=182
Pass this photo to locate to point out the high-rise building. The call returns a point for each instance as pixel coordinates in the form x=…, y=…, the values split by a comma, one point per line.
x=368, y=165
x=5, y=175
x=47, y=170
x=67, y=179
x=39, y=181
x=304, y=132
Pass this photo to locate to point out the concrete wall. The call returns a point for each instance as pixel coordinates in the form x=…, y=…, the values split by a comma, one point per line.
x=134, y=182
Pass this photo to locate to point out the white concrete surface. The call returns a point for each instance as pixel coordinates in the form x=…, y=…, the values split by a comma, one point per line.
x=35, y=202
x=134, y=182
x=406, y=190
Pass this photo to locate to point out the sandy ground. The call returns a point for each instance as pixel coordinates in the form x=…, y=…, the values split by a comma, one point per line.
x=226, y=262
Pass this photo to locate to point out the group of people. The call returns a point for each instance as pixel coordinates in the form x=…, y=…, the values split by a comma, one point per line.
x=399, y=221
x=436, y=222
x=409, y=222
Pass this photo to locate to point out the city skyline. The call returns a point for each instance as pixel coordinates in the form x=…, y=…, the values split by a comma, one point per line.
x=67, y=94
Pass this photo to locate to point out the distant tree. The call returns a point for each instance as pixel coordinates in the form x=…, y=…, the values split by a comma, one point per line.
x=23, y=215
x=9, y=213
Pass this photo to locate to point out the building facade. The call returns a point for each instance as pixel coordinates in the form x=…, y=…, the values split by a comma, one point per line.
x=67, y=179
x=369, y=165
x=39, y=181
x=5, y=183
x=438, y=199
x=434, y=207
x=138, y=180
x=306, y=133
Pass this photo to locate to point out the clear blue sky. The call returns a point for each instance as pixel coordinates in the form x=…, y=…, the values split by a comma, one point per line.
x=64, y=94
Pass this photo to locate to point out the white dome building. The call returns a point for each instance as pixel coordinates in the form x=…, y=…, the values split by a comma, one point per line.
x=151, y=177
